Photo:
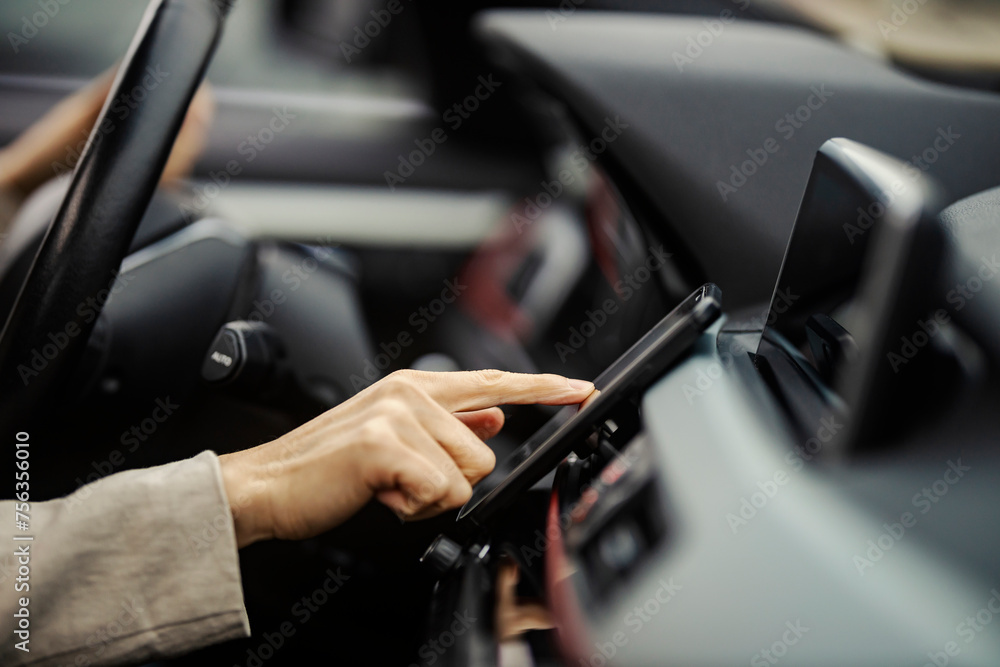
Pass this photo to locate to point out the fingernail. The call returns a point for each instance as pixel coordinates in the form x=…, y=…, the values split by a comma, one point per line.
x=580, y=385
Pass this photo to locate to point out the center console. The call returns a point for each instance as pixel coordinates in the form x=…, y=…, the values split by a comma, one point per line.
x=787, y=490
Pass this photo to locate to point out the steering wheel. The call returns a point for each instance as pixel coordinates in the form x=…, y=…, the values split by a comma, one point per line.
x=114, y=181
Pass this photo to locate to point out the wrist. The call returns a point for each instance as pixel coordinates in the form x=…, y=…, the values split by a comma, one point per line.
x=247, y=496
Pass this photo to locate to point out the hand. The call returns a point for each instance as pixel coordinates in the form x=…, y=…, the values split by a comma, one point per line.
x=512, y=616
x=413, y=440
x=60, y=133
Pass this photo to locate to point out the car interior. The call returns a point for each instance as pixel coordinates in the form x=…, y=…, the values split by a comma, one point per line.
x=779, y=217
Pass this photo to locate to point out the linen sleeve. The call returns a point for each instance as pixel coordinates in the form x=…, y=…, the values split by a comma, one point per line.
x=134, y=567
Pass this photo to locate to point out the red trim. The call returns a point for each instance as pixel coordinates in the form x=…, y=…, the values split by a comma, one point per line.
x=563, y=602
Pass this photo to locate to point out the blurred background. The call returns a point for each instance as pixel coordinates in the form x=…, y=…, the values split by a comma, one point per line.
x=363, y=107
x=357, y=104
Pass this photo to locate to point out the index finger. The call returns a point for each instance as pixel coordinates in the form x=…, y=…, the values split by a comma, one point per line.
x=477, y=390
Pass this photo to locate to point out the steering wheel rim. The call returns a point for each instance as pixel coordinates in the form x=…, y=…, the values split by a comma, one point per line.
x=112, y=185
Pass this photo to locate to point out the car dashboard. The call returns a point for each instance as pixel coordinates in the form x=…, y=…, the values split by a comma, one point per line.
x=724, y=520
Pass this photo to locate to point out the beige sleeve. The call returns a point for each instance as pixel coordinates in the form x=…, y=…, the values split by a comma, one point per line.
x=137, y=566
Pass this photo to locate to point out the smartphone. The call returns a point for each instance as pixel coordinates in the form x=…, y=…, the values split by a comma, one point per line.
x=634, y=371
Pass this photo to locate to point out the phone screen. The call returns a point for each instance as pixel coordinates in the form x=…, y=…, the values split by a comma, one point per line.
x=642, y=364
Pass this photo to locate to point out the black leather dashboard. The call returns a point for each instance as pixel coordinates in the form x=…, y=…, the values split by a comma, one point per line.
x=702, y=99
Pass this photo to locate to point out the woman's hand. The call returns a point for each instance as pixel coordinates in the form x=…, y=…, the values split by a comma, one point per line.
x=58, y=136
x=414, y=440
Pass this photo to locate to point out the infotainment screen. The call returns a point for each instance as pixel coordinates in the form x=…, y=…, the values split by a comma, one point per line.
x=859, y=263
x=636, y=369
x=832, y=231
